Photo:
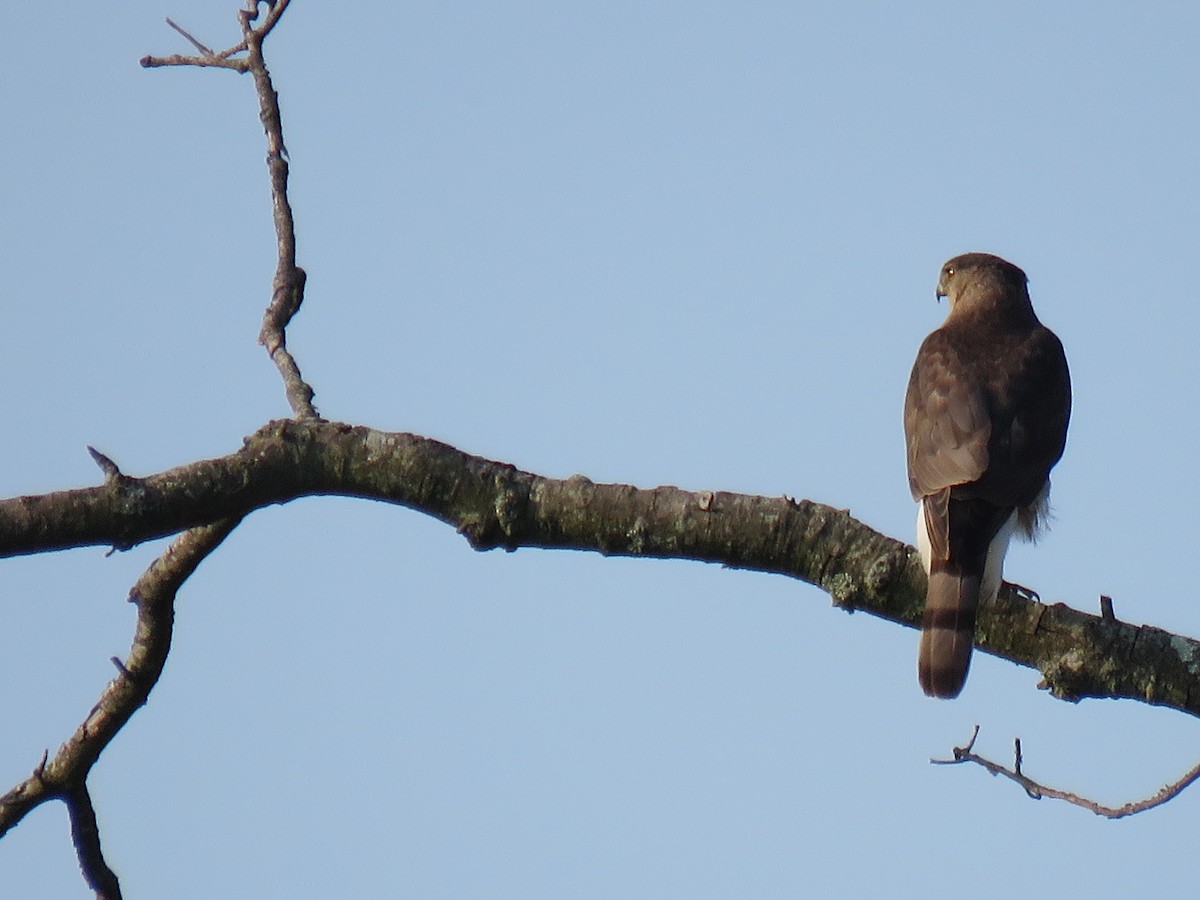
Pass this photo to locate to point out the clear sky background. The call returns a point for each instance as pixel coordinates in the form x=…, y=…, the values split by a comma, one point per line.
x=684, y=243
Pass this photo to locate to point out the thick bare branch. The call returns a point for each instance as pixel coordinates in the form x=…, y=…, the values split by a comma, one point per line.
x=496, y=505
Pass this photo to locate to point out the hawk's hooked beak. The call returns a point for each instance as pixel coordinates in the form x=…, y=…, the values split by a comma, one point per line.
x=942, y=289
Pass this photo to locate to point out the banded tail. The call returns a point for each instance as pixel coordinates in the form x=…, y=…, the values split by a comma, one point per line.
x=947, y=632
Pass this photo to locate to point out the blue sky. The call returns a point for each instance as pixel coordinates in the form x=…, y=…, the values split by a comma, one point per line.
x=651, y=243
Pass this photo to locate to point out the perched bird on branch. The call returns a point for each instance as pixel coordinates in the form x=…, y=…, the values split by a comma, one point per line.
x=985, y=419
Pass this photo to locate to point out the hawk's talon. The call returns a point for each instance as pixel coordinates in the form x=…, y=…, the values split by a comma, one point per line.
x=1023, y=592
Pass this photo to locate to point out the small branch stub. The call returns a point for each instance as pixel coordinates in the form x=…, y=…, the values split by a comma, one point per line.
x=112, y=474
x=1106, y=609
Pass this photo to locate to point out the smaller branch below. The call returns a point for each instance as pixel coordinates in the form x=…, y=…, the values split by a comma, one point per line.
x=64, y=777
x=85, y=834
x=1036, y=790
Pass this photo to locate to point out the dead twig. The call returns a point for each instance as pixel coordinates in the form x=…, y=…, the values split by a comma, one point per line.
x=1036, y=790
x=64, y=776
x=228, y=58
x=205, y=51
x=287, y=290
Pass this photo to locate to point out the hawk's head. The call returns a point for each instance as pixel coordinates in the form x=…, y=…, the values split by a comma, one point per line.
x=979, y=269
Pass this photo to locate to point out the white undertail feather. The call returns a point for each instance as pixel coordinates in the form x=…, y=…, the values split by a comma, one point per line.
x=923, y=545
x=993, y=571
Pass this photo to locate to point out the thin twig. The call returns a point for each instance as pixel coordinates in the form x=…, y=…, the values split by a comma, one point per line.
x=195, y=43
x=1036, y=790
x=287, y=289
x=223, y=59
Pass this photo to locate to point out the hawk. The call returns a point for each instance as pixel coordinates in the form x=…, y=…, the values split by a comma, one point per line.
x=985, y=419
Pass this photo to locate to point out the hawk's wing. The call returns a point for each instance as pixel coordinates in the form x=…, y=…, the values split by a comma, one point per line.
x=1029, y=403
x=947, y=427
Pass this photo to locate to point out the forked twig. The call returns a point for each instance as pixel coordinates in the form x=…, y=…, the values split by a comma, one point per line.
x=64, y=776
x=287, y=289
x=1036, y=790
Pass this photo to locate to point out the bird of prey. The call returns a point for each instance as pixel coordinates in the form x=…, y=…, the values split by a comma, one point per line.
x=985, y=419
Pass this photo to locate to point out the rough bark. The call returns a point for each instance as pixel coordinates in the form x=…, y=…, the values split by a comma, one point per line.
x=495, y=505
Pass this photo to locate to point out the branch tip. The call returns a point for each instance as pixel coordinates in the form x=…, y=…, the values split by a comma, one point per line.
x=959, y=751
x=205, y=51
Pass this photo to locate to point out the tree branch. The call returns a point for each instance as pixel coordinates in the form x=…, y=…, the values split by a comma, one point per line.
x=287, y=289
x=493, y=504
x=228, y=58
x=64, y=777
x=1036, y=790
x=85, y=834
